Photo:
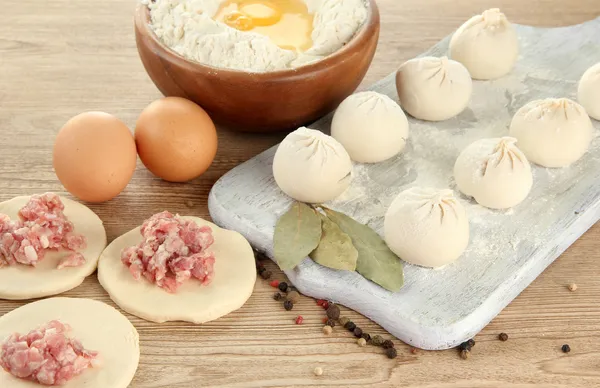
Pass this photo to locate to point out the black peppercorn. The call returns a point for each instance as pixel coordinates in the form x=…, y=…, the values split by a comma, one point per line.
x=503, y=337
x=465, y=345
x=387, y=344
x=277, y=296
x=333, y=311
x=465, y=354
x=350, y=326
x=357, y=332
x=471, y=342
x=366, y=336
x=330, y=322
x=288, y=305
x=283, y=286
x=566, y=348
x=266, y=274
x=391, y=353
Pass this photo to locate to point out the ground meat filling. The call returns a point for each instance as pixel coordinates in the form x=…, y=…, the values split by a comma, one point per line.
x=46, y=355
x=42, y=226
x=173, y=251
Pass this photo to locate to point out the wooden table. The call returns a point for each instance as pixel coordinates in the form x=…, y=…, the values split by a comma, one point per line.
x=62, y=57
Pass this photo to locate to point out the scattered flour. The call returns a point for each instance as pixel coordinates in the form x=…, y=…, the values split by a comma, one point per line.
x=187, y=27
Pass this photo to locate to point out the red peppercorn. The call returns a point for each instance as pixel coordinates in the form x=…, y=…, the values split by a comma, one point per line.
x=325, y=305
x=299, y=320
x=320, y=302
x=275, y=283
x=325, y=320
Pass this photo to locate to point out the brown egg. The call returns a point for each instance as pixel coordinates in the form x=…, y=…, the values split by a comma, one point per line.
x=176, y=139
x=94, y=156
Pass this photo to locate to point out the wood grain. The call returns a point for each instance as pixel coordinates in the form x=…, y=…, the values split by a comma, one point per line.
x=63, y=57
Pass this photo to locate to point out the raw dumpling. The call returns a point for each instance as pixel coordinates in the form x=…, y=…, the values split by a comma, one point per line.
x=494, y=172
x=371, y=126
x=433, y=89
x=486, y=44
x=312, y=167
x=589, y=91
x=427, y=227
x=554, y=132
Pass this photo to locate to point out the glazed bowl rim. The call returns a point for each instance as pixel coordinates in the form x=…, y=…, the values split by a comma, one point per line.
x=142, y=18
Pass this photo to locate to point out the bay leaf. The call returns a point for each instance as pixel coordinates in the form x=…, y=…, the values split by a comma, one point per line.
x=297, y=234
x=376, y=261
x=335, y=249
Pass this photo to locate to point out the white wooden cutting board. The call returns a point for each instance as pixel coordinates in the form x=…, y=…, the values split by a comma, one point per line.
x=439, y=309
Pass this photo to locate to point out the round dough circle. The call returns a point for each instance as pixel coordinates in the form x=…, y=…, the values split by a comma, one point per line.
x=486, y=44
x=427, y=227
x=232, y=285
x=97, y=325
x=433, y=89
x=371, y=126
x=589, y=91
x=494, y=172
x=311, y=167
x=26, y=282
x=554, y=132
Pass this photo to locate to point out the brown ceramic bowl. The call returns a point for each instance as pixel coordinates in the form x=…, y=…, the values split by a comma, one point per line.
x=260, y=102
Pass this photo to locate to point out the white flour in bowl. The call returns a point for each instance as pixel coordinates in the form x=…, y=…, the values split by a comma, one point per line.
x=188, y=28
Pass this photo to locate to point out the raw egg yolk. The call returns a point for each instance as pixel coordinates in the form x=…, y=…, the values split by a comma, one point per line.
x=286, y=22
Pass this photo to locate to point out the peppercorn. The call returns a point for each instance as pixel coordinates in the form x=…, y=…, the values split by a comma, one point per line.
x=466, y=345
x=327, y=330
x=325, y=305
x=320, y=302
x=366, y=336
x=573, y=287
x=288, y=305
x=293, y=296
x=387, y=344
x=277, y=296
x=503, y=337
x=299, y=320
x=464, y=354
x=413, y=350
x=283, y=286
x=471, y=342
x=361, y=342
x=333, y=312
x=330, y=322
x=350, y=326
x=357, y=332
x=325, y=320
x=377, y=340
x=566, y=348
x=318, y=371
x=266, y=275
x=343, y=321
x=274, y=283
x=391, y=353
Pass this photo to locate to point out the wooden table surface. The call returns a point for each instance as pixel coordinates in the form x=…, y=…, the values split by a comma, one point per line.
x=62, y=57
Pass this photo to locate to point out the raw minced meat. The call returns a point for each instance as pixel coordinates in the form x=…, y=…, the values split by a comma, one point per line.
x=42, y=226
x=46, y=355
x=173, y=250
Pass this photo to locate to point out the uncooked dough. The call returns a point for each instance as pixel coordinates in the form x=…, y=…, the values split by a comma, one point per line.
x=311, y=166
x=97, y=325
x=494, y=172
x=554, y=132
x=433, y=89
x=26, y=282
x=232, y=285
x=486, y=44
x=371, y=126
x=589, y=91
x=427, y=227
